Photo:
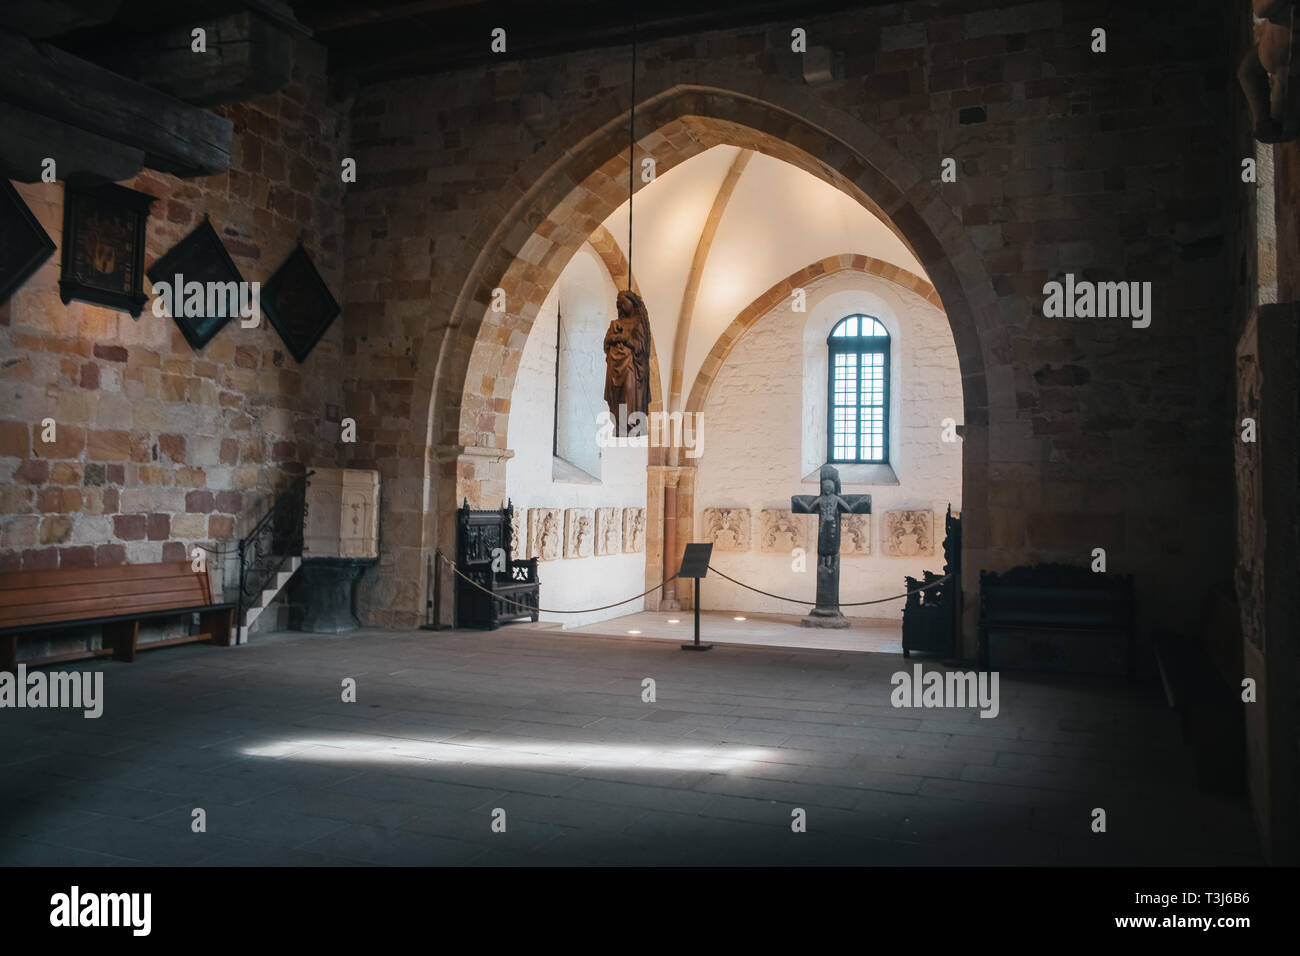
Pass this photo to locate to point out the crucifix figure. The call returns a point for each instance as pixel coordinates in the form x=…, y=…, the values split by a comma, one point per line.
x=828, y=506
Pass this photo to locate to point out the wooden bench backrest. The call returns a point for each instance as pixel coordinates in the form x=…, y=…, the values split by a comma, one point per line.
x=70, y=594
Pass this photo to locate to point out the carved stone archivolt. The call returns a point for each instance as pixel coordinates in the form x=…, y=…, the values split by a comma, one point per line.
x=780, y=532
x=579, y=532
x=545, y=533
x=609, y=531
x=855, y=535
x=908, y=533
x=633, y=530
x=727, y=528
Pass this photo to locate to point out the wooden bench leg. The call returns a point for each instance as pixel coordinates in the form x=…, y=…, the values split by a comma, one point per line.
x=9, y=653
x=220, y=624
x=121, y=637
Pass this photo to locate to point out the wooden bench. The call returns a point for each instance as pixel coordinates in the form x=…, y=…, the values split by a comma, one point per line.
x=116, y=598
x=1057, y=617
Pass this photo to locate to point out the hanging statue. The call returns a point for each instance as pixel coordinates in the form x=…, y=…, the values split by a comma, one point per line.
x=1270, y=72
x=627, y=365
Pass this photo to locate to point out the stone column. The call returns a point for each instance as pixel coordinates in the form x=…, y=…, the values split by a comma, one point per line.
x=671, y=548
x=473, y=473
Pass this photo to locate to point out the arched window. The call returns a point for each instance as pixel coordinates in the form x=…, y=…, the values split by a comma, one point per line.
x=857, y=427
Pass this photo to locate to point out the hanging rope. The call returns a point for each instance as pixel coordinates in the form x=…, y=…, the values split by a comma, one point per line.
x=814, y=603
x=604, y=607
x=528, y=607
x=631, y=154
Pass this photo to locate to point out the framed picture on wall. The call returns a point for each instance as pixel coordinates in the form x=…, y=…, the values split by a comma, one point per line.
x=299, y=304
x=199, y=257
x=24, y=245
x=103, y=246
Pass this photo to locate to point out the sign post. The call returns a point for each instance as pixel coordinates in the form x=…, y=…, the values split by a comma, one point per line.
x=695, y=564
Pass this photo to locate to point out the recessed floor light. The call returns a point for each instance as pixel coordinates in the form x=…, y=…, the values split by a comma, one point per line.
x=673, y=620
x=634, y=632
x=737, y=618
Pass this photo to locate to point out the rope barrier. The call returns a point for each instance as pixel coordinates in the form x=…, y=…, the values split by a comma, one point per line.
x=604, y=607
x=842, y=604
x=528, y=607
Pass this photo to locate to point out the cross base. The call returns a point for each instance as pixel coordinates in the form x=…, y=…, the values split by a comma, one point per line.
x=824, y=617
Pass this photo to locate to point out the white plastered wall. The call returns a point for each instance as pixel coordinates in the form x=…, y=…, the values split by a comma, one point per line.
x=586, y=294
x=764, y=421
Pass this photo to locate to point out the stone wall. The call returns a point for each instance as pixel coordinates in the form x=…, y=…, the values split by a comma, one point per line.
x=159, y=447
x=1078, y=431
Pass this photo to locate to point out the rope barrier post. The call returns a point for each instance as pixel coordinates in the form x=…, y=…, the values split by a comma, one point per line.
x=695, y=564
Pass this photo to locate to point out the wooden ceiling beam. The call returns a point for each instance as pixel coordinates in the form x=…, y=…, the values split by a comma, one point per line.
x=174, y=137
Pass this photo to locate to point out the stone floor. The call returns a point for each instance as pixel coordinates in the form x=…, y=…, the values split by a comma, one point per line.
x=551, y=728
x=765, y=630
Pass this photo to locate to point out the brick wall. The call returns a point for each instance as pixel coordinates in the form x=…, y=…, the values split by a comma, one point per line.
x=160, y=447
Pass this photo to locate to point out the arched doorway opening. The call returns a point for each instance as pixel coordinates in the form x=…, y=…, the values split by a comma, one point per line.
x=458, y=432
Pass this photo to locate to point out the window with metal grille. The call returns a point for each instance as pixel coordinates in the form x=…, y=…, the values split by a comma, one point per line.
x=858, y=410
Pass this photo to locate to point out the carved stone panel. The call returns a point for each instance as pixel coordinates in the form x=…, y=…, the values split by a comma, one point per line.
x=727, y=528
x=609, y=531
x=545, y=533
x=342, y=505
x=579, y=532
x=855, y=535
x=780, y=532
x=1249, y=572
x=516, y=531
x=908, y=533
x=633, y=530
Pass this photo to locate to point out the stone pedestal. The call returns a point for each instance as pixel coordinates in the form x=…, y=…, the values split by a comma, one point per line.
x=827, y=612
x=340, y=540
x=322, y=594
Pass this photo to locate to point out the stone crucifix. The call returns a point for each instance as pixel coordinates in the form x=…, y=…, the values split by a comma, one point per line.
x=828, y=506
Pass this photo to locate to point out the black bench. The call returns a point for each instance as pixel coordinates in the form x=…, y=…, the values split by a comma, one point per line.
x=1057, y=617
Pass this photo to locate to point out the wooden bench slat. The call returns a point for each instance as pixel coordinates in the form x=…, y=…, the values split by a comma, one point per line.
x=108, y=591
x=98, y=607
x=120, y=572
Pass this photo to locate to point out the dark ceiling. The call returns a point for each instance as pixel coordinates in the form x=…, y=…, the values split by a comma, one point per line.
x=377, y=39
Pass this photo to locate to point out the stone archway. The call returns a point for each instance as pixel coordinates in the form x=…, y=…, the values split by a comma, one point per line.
x=560, y=197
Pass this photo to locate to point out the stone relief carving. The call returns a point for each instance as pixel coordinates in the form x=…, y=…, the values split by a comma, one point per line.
x=545, y=533
x=781, y=531
x=516, y=529
x=908, y=533
x=1270, y=73
x=1248, y=573
x=727, y=528
x=855, y=534
x=609, y=531
x=633, y=530
x=579, y=532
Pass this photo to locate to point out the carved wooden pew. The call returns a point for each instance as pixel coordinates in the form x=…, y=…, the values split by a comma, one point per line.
x=116, y=598
x=507, y=589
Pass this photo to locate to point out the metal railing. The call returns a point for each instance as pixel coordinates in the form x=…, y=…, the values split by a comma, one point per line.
x=265, y=550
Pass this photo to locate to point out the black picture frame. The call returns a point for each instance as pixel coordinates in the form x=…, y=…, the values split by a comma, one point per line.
x=299, y=304
x=24, y=244
x=103, y=246
x=199, y=257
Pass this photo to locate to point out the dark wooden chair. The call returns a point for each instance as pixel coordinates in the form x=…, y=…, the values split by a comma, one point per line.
x=1058, y=617
x=932, y=619
x=116, y=598
x=507, y=587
